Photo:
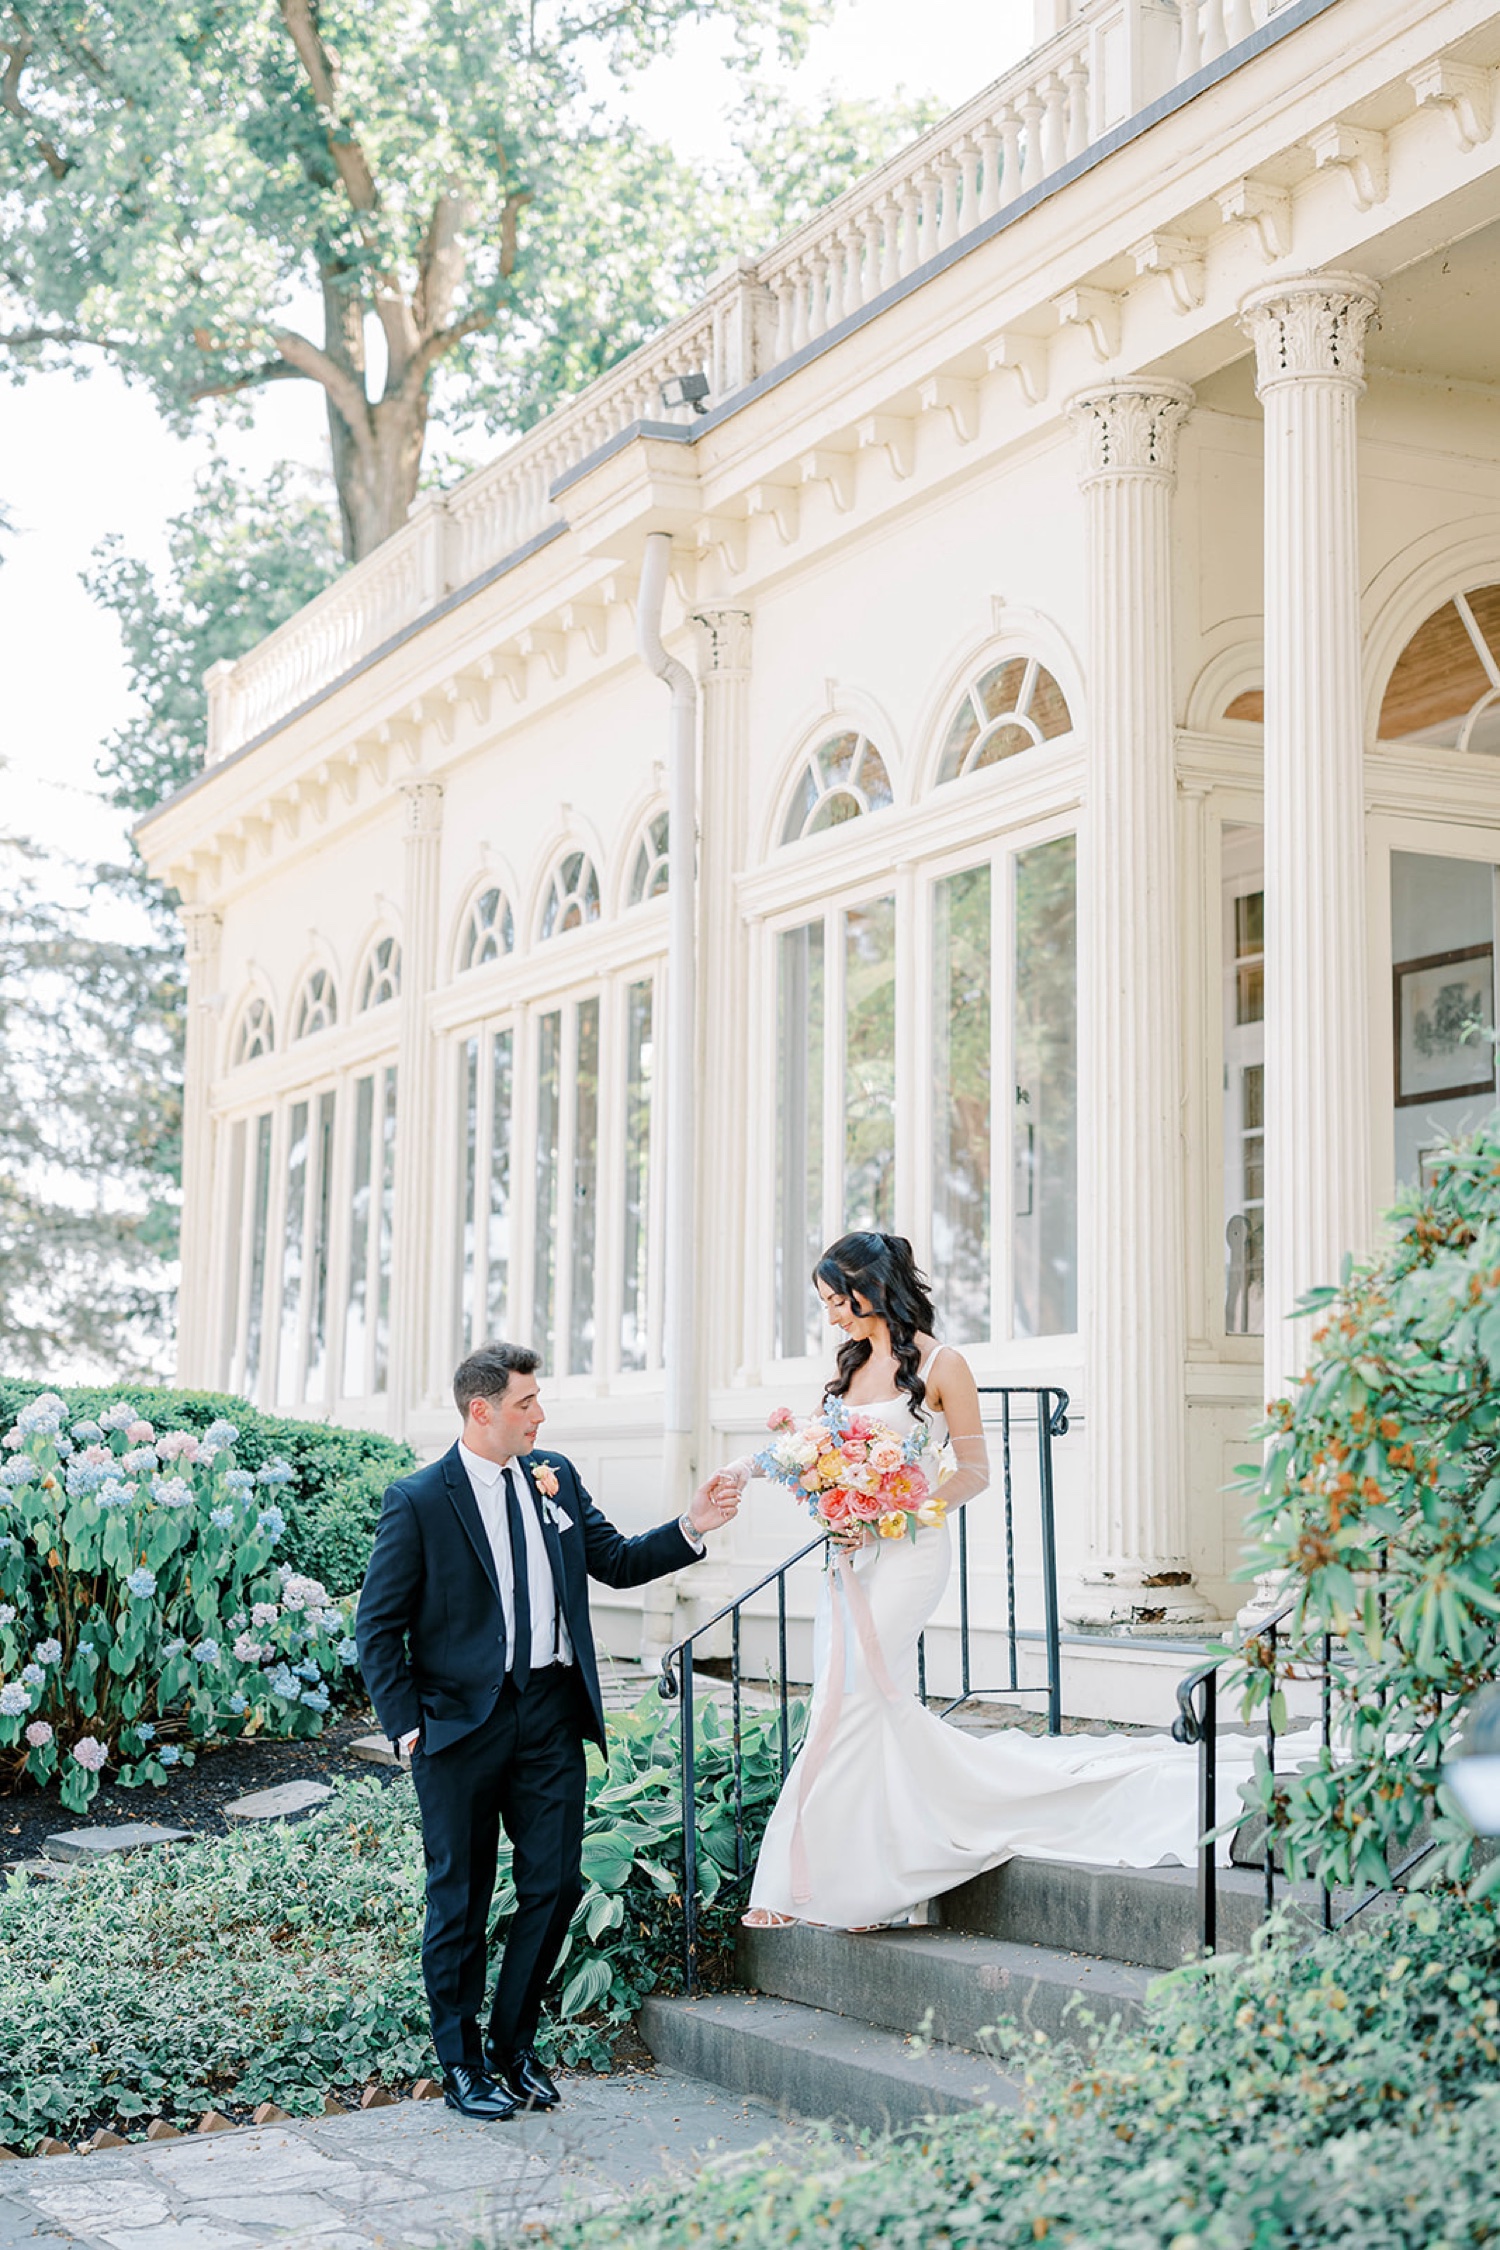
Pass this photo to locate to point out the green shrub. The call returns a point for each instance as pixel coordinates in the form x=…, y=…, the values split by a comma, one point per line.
x=339, y=1475
x=141, y=1607
x=1379, y=1503
x=273, y=1964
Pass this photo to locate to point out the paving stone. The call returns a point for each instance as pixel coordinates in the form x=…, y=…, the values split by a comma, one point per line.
x=376, y=1751
x=92, y=2207
x=284, y=1802
x=241, y=2164
x=179, y=2234
x=123, y=1836
x=41, y=1870
x=309, y=2213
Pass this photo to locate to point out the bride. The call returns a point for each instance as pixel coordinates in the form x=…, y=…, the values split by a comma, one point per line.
x=887, y=1805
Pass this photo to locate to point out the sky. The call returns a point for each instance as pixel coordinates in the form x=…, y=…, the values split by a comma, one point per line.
x=82, y=460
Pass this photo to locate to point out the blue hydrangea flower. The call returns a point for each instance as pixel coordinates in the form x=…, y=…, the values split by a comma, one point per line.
x=113, y=1494
x=308, y=1670
x=87, y=1433
x=118, y=1415
x=141, y=1583
x=7, y=1614
x=316, y=1699
x=13, y=1700
x=169, y=1754
x=238, y=1480
x=347, y=1651
x=49, y=1652
x=171, y=1492
x=219, y=1435
x=19, y=1470
x=43, y=1417
x=85, y=1477
x=84, y=1648
x=274, y=1472
x=222, y=1519
x=272, y=1522
x=140, y=1461
x=207, y=1652
x=33, y=1675
x=284, y=1682
x=237, y=1704
x=145, y=1731
x=169, y=1649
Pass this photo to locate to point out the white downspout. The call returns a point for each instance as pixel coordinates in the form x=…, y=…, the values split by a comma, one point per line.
x=680, y=1170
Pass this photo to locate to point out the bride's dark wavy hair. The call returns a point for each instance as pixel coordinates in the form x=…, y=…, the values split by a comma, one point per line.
x=880, y=1270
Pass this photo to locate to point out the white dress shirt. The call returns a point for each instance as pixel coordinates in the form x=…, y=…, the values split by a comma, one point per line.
x=488, y=1481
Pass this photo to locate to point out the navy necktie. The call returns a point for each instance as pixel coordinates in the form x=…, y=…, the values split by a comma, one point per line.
x=520, y=1659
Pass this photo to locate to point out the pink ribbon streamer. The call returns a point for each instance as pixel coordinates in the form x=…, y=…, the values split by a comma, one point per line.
x=815, y=1751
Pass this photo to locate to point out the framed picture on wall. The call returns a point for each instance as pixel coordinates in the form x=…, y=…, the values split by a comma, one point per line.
x=1445, y=1013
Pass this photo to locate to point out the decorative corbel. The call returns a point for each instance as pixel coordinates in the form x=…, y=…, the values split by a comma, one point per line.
x=781, y=502
x=544, y=641
x=1358, y=154
x=895, y=435
x=589, y=619
x=474, y=687
x=955, y=397
x=1180, y=263
x=1025, y=357
x=726, y=537
x=1265, y=208
x=1463, y=91
x=1098, y=311
x=511, y=666
x=823, y=466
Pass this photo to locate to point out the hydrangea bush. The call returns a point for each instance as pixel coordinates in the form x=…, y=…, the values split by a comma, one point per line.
x=142, y=1608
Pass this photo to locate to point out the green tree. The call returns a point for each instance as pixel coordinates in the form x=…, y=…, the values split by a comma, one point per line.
x=182, y=187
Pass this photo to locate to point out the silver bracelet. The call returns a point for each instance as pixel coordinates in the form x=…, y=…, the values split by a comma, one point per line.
x=690, y=1531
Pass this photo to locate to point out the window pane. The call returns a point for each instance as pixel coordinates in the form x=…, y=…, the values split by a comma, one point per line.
x=233, y=1249
x=317, y=1324
x=585, y=1192
x=634, y=1317
x=497, y=1248
x=260, y=1215
x=356, y=1314
x=799, y=1138
x=292, y=1252
x=387, y=1228
x=870, y=1065
x=1045, y=1238
x=961, y=1103
x=544, y=1253
x=468, y=1131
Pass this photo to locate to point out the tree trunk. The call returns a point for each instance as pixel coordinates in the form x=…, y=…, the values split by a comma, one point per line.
x=377, y=475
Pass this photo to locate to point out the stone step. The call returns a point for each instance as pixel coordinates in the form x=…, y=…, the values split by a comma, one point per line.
x=813, y=2064
x=946, y=1984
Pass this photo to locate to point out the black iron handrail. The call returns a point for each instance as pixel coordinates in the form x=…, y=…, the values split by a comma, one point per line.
x=677, y=1665
x=1197, y=1723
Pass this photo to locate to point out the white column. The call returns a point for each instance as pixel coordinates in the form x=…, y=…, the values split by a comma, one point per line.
x=415, y=1231
x=1309, y=349
x=202, y=931
x=1137, y=1571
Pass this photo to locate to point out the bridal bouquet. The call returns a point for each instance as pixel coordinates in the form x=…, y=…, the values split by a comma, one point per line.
x=849, y=1470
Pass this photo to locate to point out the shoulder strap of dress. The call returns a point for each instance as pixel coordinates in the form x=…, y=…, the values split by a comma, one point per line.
x=931, y=1356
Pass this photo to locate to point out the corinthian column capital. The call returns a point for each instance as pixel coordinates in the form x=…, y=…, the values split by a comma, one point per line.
x=723, y=641
x=422, y=807
x=201, y=930
x=1129, y=429
x=1310, y=327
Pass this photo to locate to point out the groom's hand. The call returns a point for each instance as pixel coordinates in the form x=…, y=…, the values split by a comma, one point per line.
x=715, y=1503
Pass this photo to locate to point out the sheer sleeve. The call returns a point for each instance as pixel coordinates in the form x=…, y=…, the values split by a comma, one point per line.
x=971, y=1473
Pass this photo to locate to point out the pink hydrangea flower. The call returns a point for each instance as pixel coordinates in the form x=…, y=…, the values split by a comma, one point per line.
x=264, y=1613
x=178, y=1445
x=248, y=1651
x=39, y=1734
x=140, y=1433
x=90, y=1753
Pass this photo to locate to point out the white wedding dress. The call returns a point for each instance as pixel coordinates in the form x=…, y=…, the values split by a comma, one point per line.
x=886, y=1805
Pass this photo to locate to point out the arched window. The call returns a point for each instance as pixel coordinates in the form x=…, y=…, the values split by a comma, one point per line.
x=1012, y=707
x=488, y=932
x=648, y=877
x=318, y=1007
x=842, y=778
x=382, y=978
x=572, y=896
x=1445, y=691
x=256, y=1034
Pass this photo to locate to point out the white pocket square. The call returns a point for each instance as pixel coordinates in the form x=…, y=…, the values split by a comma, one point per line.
x=560, y=1517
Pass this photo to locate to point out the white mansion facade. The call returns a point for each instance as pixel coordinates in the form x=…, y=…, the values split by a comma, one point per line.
x=1079, y=594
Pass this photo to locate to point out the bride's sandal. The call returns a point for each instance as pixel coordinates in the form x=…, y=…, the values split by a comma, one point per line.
x=761, y=1918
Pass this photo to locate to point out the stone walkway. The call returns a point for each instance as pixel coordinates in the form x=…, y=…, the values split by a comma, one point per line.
x=386, y=2179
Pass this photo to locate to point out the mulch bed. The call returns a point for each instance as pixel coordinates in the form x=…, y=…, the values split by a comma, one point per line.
x=193, y=1799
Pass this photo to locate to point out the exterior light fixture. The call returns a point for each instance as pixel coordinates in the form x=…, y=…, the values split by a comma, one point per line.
x=1473, y=1774
x=686, y=390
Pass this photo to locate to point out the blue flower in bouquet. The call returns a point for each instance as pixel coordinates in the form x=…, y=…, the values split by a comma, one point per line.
x=171, y=1492
x=207, y=1652
x=274, y=1472
x=347, y=1651
x=118, y=1415
x=169, y=1754
x=87, y=1433
x=49, y=1652
x=238, y=1704
x=218, y=1437
x=316, y=1699
x=113, y=1494
x=13, y=1700
x=43, y=1417
x=283, y=1681
x=22, y=1470
x=222, y=1519
x=238, y=1480
x=272, y=1522
x=170, y=1649
x=141, y=1583
x=33, y=1675
x=145, y=1731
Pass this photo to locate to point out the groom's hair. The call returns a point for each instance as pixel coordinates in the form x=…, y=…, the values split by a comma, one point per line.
x=485, y=1373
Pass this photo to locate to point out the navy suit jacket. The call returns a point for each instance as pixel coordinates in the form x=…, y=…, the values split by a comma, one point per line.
x=430, y=1627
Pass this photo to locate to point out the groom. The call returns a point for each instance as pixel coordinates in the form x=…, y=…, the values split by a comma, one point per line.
x=475, y=1644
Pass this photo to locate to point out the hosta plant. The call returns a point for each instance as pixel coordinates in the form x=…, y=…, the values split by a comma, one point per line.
x=142, y=1609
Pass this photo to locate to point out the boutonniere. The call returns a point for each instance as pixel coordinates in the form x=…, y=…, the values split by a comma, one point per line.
x=544, y=1477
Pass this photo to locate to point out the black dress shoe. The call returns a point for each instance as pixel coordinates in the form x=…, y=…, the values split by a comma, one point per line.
x=473, y=2093
x=527, y=2077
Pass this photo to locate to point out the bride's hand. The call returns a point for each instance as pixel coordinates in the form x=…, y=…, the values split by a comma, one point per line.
x=851, y=1538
